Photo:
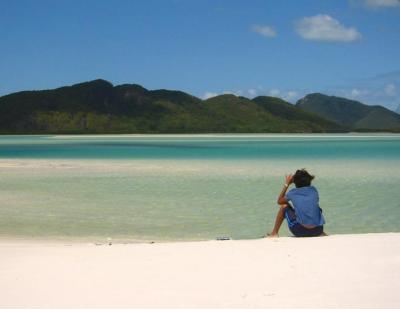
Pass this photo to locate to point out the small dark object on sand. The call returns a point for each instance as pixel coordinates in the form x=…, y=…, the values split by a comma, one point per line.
x=223, y=238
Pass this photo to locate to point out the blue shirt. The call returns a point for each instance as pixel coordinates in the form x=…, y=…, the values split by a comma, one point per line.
x=305, y=201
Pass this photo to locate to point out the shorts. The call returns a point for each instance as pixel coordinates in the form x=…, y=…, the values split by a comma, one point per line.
x=299, y=230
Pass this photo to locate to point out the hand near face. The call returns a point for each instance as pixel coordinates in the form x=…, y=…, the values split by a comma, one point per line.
x=289, y=179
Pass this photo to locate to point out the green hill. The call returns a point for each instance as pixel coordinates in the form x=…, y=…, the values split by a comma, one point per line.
x=99, y=107
x=350, y=113
x=284, y=110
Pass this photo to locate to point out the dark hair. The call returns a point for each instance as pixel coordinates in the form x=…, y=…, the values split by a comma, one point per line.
x=302, y=178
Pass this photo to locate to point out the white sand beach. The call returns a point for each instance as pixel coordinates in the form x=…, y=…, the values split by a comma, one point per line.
x=339, y=271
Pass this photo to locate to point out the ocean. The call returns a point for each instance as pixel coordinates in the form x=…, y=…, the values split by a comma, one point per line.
x=191, y=187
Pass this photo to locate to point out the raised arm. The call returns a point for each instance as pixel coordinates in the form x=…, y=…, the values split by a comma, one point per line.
x=281, y=198
x=283, y=204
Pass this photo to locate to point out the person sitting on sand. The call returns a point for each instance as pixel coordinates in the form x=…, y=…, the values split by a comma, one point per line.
x=300, y=207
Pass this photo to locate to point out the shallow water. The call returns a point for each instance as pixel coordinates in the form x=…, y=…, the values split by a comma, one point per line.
x=179, y=187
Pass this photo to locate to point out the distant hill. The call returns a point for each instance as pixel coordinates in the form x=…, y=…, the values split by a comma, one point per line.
x=352, y=114
x=284, y=110
x=398, y=109
x=99, y=107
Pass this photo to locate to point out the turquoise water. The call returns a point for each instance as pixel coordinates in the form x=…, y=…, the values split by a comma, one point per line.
x=180, y=187
x=222, y=147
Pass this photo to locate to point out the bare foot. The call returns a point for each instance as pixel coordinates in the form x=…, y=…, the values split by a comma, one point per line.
x=272, y=235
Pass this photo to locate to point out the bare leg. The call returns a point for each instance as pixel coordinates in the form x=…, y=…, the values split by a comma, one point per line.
x=280, y=216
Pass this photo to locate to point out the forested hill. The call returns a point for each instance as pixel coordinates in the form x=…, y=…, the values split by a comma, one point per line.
x=99, y=107
x=350, y=113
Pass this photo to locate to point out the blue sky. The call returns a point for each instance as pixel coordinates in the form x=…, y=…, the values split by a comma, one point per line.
x=283, y=48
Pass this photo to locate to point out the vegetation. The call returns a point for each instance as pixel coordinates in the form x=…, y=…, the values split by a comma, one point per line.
x=352, y=114
x=99, y=107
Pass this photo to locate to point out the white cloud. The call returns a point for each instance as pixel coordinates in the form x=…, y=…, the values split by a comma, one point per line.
x=381, y=3
x=208, y=95
x=252, y=92
x=274, y=92
x=354, y=93
x=371, y=93
x=291, y=95
x=390, y=90
x=287, y=95
x=358, y=93
x=326, y=29
x=266, y=31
